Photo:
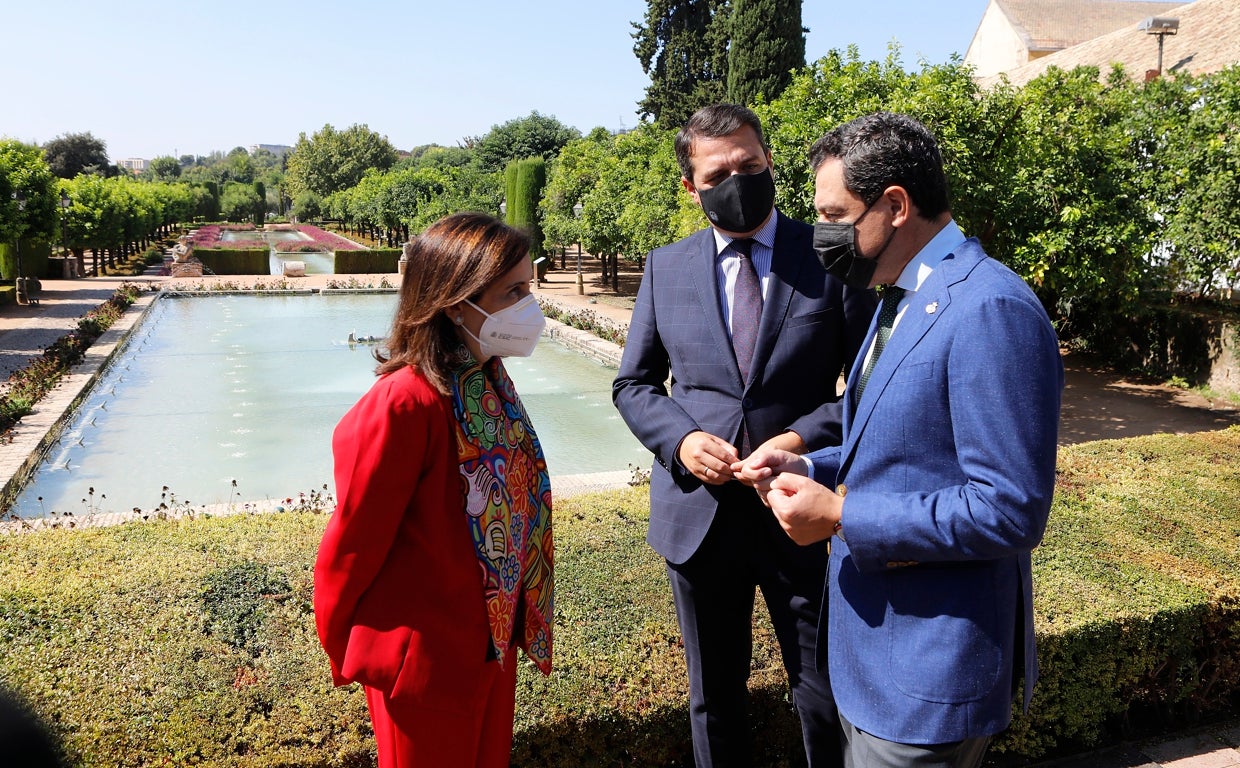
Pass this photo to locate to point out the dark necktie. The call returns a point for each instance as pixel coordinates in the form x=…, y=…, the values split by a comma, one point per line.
x=886, y=319
x=746, y=307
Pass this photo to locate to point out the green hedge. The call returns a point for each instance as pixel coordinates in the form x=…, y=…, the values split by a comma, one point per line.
x=192, y=641
x=375, y=261
x=235, y=261
x=34, y=253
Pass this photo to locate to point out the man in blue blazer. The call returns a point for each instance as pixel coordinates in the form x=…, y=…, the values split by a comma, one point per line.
x=943, y=483
x=748, y=366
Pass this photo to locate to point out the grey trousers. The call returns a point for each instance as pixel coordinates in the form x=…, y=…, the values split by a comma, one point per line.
x=862, y=750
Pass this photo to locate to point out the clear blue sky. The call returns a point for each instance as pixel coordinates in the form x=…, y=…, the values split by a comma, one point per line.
x=192, y=76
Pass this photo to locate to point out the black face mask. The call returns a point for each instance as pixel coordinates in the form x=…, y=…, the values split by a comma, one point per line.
x=836, y=246
x=741, y=202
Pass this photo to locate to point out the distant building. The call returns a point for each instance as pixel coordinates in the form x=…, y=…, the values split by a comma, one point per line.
x=1208, y=39
x=279, y=150
x=1013, y=33
x=135, y=165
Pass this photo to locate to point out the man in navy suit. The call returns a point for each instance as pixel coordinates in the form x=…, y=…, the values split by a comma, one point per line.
x=944, y=480
x=754, y=335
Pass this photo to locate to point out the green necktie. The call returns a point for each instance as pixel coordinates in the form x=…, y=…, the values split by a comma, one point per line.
x=886, y=319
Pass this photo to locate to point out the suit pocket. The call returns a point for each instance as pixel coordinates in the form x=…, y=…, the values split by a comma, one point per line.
x=375, y=655
x=913, y=372
x=945, y=642
x=817, y=316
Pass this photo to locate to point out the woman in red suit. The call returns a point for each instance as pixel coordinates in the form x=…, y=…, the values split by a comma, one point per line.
x=437, y=564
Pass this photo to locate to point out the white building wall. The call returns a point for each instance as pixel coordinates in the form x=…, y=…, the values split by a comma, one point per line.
x=996, y=46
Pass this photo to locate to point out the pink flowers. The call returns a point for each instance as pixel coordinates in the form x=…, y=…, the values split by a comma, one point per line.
x=209, y=236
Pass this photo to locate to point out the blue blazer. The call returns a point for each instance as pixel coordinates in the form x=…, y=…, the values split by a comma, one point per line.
x=811, y=329
x=948, y=466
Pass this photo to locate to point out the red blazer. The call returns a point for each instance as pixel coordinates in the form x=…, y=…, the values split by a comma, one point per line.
x=397, y=590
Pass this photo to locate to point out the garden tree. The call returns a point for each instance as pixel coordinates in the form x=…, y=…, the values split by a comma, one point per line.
x=273, y=183
x=178, y=202
x=655, y=208
x=523, y=185
x=201, y=174
x=163, y=168
x=767, y=44
x=529, y=136
x=238, y=201
x=1068, y=215
x=571, y=176
x=75, y=153
x=238, y=166
x=32, y=217
x=1192, y=156
x=307, y=206
x=840, y=87
x=435, y=156
x=260, y=204
x=206, y=200
x=265, y=160
x=331, y=160
x=369, y=205
x=24, y=172
x=143, y=214
x=97, y=218
x=683, y=47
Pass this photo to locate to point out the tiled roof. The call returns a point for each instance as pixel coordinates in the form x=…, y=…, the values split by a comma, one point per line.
x=1050, y=25
x=1208, y=40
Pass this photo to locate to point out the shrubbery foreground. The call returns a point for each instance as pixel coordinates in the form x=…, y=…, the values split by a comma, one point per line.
x=192, y=641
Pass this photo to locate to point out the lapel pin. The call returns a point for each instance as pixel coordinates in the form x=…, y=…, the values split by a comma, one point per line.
x=932, y=307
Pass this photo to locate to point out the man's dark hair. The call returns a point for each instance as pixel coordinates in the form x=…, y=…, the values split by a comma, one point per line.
x=711, y=123
x=884, y=150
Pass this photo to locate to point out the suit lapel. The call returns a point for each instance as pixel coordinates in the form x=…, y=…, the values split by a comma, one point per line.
x=786, y=265
x=702, y=271
x=925, y=308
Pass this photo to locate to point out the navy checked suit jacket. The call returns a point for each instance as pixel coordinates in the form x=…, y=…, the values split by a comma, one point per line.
x=810, y=331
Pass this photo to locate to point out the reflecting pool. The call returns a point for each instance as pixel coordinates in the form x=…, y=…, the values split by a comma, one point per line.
x=234, y=398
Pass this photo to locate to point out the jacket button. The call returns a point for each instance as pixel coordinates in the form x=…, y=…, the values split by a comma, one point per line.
x=841, y=489
x=747, y=403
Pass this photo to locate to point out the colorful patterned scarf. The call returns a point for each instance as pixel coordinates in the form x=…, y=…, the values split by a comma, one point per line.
x=508, y=503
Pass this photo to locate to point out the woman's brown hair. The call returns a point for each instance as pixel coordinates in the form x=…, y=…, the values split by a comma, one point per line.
x=456, y=258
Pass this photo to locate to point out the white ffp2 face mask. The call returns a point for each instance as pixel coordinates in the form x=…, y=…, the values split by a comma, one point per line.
x=511, y=332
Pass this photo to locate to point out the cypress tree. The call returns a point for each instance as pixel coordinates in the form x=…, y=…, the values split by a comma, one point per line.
x=768, y=44
x=683, y=47
x=260, y=208
x=510, y=191
x=523, y=183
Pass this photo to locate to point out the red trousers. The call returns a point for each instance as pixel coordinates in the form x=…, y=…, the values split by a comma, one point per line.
x=410, y=736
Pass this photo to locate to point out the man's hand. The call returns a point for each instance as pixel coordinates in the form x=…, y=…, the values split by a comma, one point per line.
x=708, y=458
x=805, y=510
x=761, y=467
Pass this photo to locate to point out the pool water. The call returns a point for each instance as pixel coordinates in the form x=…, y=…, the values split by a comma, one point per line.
x=224, y=399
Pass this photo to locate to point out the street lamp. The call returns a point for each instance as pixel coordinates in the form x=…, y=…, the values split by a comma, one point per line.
x=1161, y=26
x=581, y=286
x=65, y=204
x=23, y=297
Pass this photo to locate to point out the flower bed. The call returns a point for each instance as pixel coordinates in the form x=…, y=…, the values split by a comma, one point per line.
x=208, y=236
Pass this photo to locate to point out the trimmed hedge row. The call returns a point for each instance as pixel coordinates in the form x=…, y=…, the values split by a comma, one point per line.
x=376, y=261
x=35, y=255
x=193, y=640
x=235, y=261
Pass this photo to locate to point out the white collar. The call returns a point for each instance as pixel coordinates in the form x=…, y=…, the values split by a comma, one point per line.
x=948, y=239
